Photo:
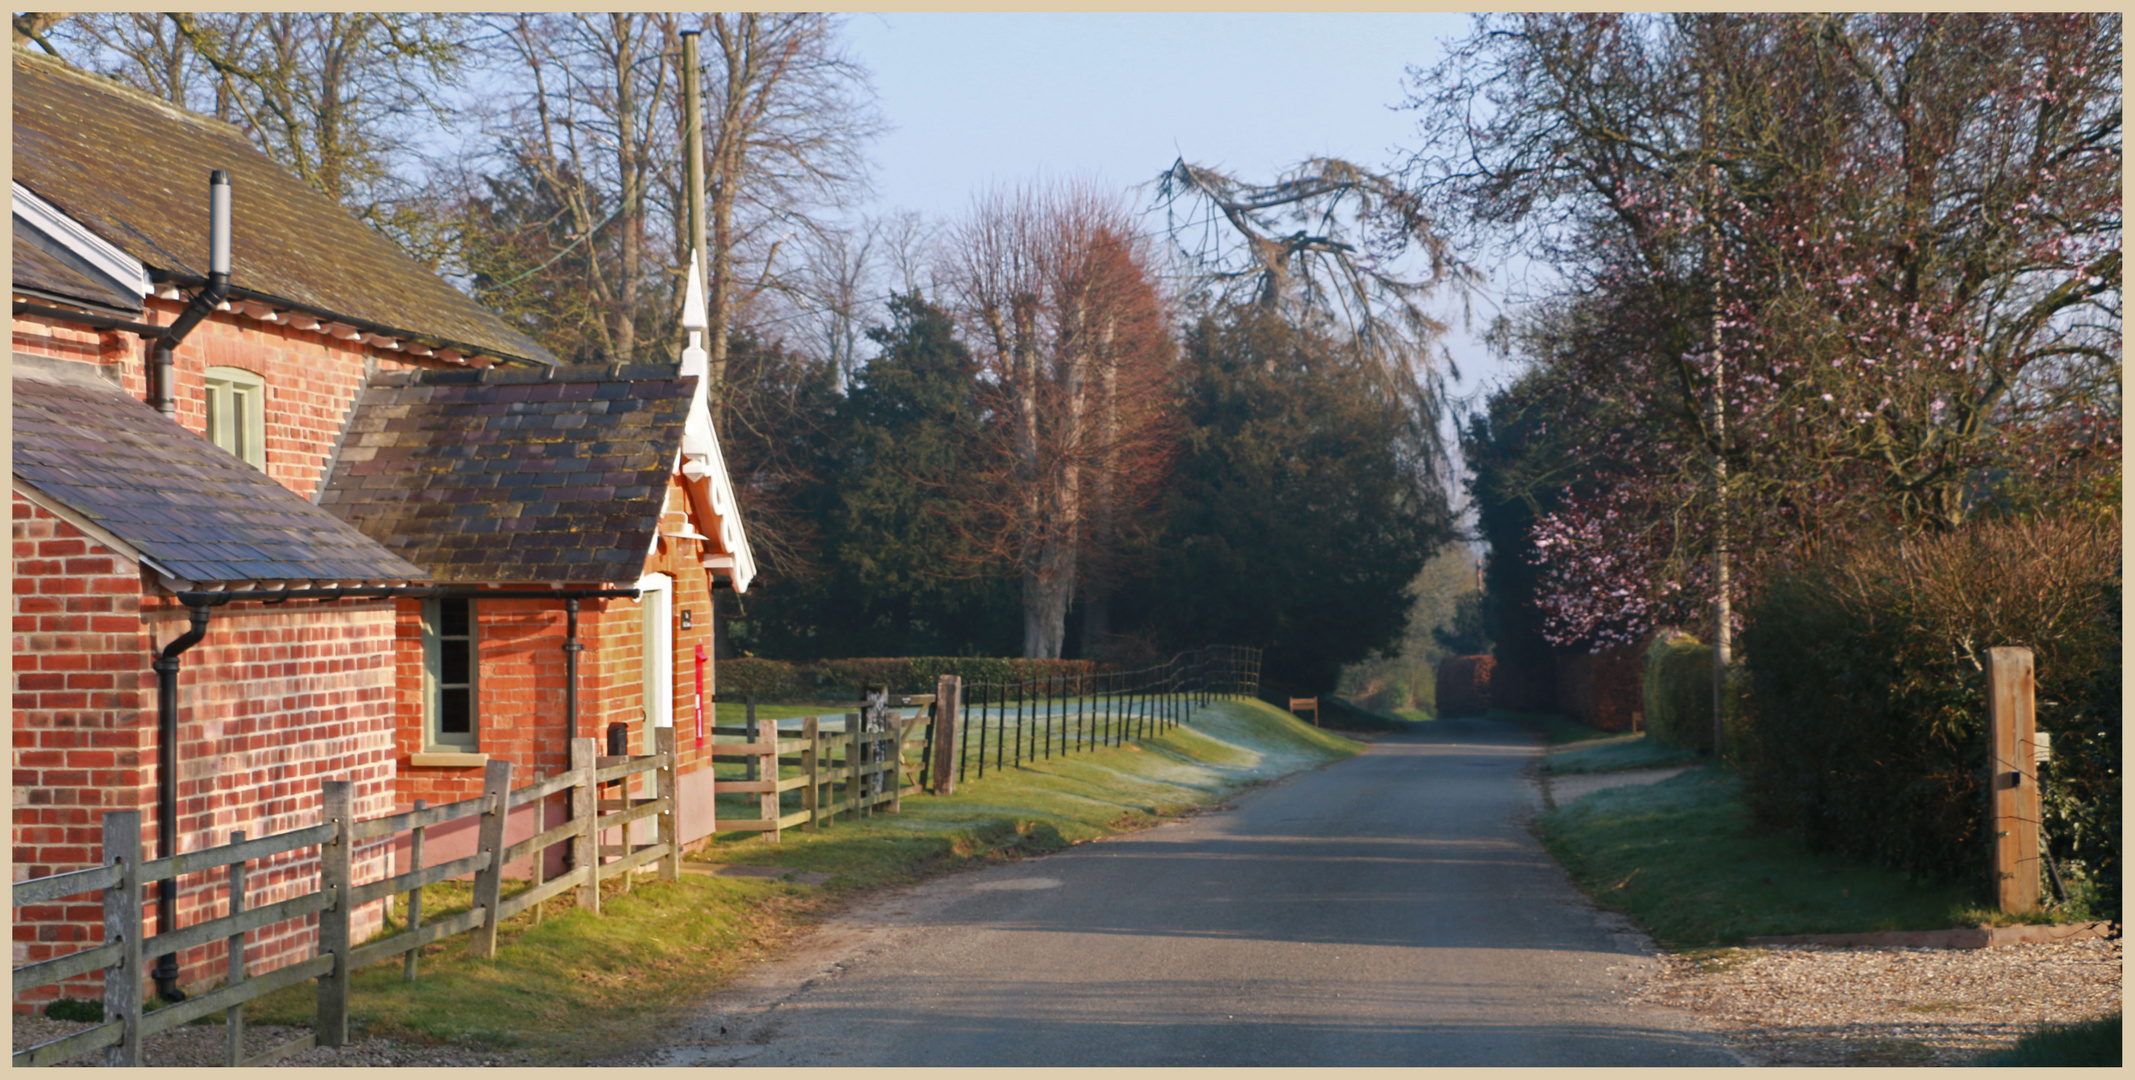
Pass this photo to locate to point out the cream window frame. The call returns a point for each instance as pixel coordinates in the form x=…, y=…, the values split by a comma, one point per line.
x=237, y=414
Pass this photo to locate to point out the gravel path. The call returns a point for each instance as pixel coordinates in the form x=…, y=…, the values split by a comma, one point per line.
x=1806, y=1005
x=193, y=1045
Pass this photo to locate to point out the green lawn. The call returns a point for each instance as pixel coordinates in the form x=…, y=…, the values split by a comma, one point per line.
x=1677, y=857
x=576, y=986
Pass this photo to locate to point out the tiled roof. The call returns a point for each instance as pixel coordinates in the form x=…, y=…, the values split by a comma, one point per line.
x=135, y=170
x=39, y=271
x=514, y=476
x=191, y=508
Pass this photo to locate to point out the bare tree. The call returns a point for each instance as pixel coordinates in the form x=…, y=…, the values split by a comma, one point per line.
x=1057, y=299
x=1331, y=247
x=792, y=115
x=338, y=98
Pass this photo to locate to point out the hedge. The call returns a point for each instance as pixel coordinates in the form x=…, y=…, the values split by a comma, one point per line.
x=841, y=680
x=1463, y=685
x=1866, y=728
x=1678, y=692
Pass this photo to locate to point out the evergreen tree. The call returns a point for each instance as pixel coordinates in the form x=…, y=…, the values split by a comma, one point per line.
x=1295, y=522
x=892, y=576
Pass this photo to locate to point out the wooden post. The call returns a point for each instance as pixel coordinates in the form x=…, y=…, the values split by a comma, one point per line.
x=415, y=895
x=489, y=881
x=853, y=795
x=811, y=764
x=234, y=964
x=948, y=695
x=896, y=774
x=766, y=802
x=665, y=790
x=122, y=923
x=585, y=809
x=336, y=865
x=2013, y=786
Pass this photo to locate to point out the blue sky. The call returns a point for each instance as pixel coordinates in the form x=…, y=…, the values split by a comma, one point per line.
x=984, y=99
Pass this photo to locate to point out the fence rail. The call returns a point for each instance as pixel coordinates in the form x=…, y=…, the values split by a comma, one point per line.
x=958, y=732
x=124, y=874
x=852, y=765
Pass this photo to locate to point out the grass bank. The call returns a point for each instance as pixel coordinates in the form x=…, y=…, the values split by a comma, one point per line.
x=1615, y=753
x=1678, y=857
x=575, y=986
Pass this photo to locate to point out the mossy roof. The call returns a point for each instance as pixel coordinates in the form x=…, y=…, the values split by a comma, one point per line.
x=134, y=169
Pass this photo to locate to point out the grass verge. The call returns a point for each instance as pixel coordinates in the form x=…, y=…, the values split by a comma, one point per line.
x=2093, y=1044
x=1341, y=714
x=577, y=986
x=1678, y=857
x=1616, y=753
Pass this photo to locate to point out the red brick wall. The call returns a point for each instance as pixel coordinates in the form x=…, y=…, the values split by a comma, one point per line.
x=273, y=701
x=522, y=676
x=80, y=684
x=312, y=378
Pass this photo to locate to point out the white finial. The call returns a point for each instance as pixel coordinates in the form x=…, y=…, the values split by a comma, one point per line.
x=693, y=317
x=694, y=360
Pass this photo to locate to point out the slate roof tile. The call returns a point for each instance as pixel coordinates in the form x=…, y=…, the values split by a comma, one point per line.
x=509, y=476
x=177, y=498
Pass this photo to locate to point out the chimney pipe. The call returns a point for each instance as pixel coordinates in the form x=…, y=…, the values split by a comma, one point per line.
x=164, y=393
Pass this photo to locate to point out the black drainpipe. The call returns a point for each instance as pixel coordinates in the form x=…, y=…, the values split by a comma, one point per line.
x=571, y=649
x=166, y=664
x=166, y=667
x=163, y=391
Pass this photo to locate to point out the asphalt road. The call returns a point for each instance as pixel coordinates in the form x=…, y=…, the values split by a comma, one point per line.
x=1390, y=910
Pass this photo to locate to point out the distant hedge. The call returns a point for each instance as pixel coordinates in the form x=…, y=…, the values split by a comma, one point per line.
x=1463, y=685
x=841, y=680
x=1867, y=726
x=1678, y=692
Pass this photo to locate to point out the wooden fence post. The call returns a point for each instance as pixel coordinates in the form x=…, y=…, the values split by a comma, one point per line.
x=234, y=964
x=811, y=763
x=585, y=808
x=853, y=796
x=766, y=802
x=489, y=881
x=948, y=696
x=896, y=774
x=666, y=790
x=2013, y=785
x=122, y=923
x=415, y=896
x=336, y=864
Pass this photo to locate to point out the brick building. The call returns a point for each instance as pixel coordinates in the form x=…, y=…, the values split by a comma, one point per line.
x=152, y=499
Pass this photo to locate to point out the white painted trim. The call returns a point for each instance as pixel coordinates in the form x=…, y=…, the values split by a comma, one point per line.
x=656, y=595
x=123, y=269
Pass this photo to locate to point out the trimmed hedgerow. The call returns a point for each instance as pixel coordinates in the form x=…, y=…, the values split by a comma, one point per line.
x=841, y=680
x=1867, y=725
x=1678, y=692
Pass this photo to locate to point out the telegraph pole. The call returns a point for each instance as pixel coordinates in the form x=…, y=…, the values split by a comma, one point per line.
x=693, y=146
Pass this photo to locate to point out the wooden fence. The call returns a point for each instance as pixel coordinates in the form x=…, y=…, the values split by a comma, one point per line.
x=833, y=771
x=124, y=874
x=863, y=763
x=954, y=733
